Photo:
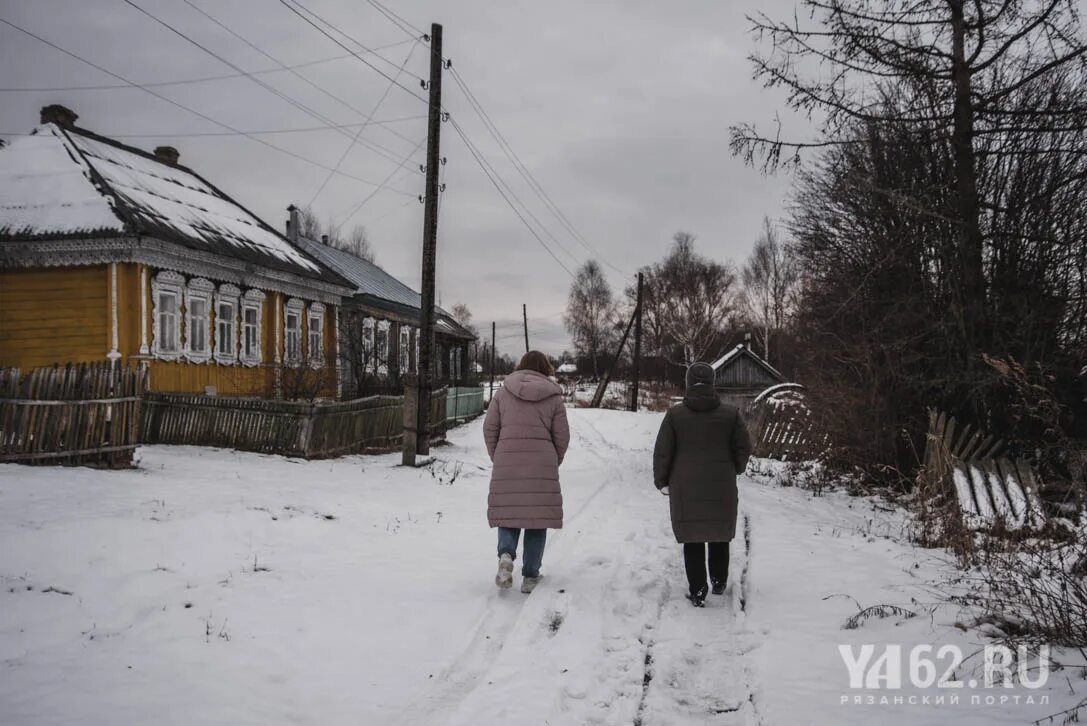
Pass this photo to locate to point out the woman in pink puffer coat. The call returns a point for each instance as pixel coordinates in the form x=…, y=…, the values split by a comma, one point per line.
x=526, y=434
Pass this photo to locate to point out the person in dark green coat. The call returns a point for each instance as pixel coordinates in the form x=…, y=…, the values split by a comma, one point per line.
x=701, y=446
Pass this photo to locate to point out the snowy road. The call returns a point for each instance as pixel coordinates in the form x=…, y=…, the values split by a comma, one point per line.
x=228, y=588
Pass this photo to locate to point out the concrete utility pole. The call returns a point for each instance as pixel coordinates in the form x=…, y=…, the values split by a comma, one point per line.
x=637, y=347
x=417, y=421
x=492, y=361
x=524, y=313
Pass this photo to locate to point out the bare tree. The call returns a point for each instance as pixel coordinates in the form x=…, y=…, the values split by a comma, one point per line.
x=590, y=313
x=700, y=299
x=959, y=62
x=357, y=242
x=769, y=280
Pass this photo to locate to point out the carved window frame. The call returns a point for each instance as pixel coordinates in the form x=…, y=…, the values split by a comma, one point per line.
x=292, y=354
x=315, y=313
x=199, y=291
x=382, y=347
x=226, y=352
x=252, y=300
x=167, y=282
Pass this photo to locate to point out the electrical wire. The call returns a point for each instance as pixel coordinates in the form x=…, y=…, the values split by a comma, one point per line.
x=397, y=20
x=204, y=79
x=484, y=166
x=377, y=148
x=258, y=132
x=362, y=128
x=356, y=208
x=297, y=75
x=525, y=173
x=349, y=50
x=182, y=106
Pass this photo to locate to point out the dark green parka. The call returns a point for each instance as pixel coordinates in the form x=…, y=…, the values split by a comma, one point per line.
x=701, y=447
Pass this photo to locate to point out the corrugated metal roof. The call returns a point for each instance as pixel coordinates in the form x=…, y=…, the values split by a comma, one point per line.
x=370, y=279
x=71, y=182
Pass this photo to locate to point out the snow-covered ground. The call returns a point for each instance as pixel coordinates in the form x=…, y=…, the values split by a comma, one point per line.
x=211, y=586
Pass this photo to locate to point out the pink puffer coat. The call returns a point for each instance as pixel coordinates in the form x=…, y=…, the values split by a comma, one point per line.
x=527, y=434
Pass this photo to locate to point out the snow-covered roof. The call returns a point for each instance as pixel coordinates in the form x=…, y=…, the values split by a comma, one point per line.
x=69, y=182
x=742, y=349
x=567, y=368
x=377, y=284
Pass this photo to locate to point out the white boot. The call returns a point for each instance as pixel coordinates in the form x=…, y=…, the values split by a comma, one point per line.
x=529, y=584
x=504, y=578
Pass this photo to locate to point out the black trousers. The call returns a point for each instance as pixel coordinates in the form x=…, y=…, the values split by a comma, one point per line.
x=694, y=559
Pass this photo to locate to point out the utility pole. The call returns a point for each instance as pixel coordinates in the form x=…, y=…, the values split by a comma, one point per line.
x=524, y=313
x=637, y=347
x=491, y=398
x=417, y=431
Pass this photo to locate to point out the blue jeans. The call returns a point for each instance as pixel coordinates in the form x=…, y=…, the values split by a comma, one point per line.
x=534, y=547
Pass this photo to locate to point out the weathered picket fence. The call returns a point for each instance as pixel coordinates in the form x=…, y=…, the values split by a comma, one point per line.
x=309, y=430
x=85, y=414
x=991, y=490
x=463, y=403
x=781, y=426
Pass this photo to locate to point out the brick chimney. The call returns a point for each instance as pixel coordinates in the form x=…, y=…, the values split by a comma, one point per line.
x=59, y=115
x=167, y=153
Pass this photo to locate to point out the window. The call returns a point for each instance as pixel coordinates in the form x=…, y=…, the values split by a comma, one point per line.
x=405, y=349
x=166, y=290
x=293, y=327
x=381, y=341
x=198, y=320
x=252, y=304
x=226, y=324
x=367, y=352
x=315, y=324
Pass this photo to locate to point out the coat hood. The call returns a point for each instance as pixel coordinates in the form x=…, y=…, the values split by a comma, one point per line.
x=531, y=386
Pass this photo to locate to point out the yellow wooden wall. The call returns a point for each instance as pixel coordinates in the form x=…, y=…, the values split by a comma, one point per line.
x=63, y=314
x=54, y=315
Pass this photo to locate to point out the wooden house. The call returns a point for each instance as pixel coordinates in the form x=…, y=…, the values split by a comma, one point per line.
x=379, y=325
x=741, y=374
x=111, y=252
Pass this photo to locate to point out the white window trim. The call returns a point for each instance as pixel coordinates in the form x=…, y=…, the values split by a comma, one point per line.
x=169, y=282
x=405, y=348
x=316, y=311
x=227, y=295
x=296, y=307
x=251, y=300
x=198, y=289
x=383, y=356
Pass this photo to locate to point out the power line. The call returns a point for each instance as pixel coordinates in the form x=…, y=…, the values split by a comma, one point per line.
x=387, y=179
x=362, y=128
x=349, y=50
x=296, y=74
x=204, y=79
x=377, y=148
x=483, y=165
x=257, y=132
x=525, y=173
x=182, y=106
x=397, y=20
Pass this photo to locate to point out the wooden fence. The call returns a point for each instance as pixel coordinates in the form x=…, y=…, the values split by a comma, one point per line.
x=85, y=414
x=990, y=489
x=781, y=427
x=464, y=403
x=309, y=430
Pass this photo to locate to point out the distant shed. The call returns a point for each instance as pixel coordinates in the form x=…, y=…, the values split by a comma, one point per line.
x=741, y=375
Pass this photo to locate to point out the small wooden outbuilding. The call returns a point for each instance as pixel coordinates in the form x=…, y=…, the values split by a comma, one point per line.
x=741, y=375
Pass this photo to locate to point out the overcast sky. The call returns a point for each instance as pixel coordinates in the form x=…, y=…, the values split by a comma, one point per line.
x=620, y=110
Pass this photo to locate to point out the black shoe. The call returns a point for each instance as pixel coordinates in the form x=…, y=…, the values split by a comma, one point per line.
x=719, y=587
x=698, y=597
